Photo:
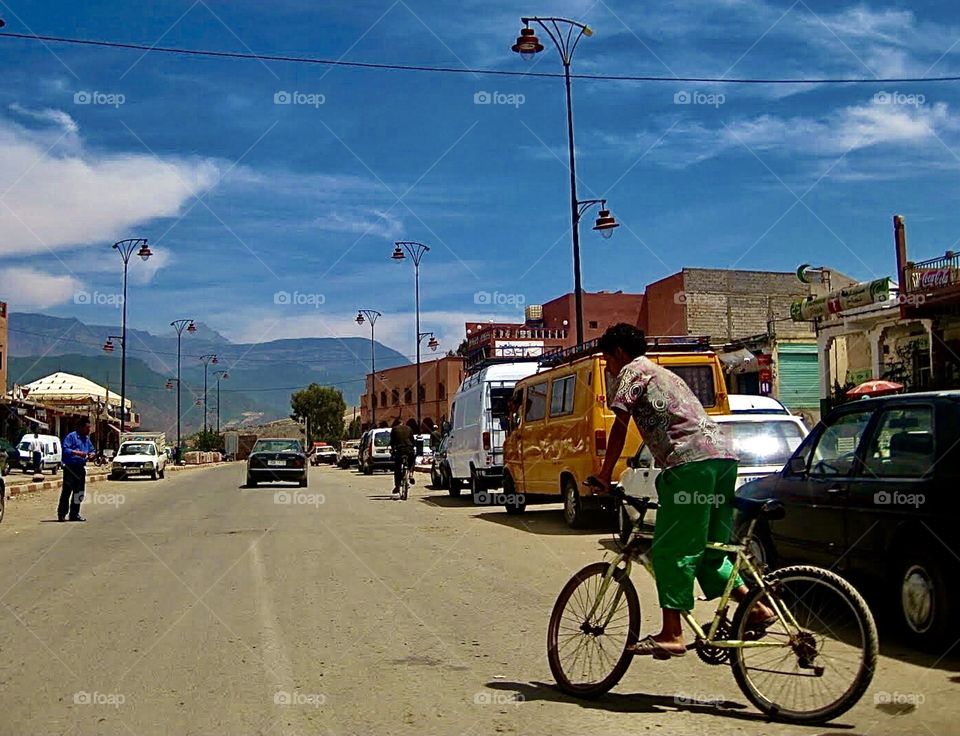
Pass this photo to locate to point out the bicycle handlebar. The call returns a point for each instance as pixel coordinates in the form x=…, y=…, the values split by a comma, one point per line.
x=616, y=492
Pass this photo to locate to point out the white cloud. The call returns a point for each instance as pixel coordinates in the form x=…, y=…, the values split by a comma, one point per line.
x=27, y=288
x=51, y=198
x=845, y=130
x=362, y=220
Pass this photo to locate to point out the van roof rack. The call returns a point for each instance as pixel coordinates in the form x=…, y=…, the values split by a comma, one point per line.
x=655, y=344
x=486, y=356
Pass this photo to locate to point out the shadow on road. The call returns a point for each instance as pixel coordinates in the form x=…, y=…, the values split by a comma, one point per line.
x=640, y=702
x=546, y=522
x=445, y=500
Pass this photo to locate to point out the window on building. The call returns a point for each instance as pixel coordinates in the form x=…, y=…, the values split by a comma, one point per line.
x=423, y=392
x=408, y=395
x=383, y=398
x=593, y=324
x=395, y=395
x=373, y=401
x=441, y=392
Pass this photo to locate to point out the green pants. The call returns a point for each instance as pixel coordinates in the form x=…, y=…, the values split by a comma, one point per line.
x=695, y=507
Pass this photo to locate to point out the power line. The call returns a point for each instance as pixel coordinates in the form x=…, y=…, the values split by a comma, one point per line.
x=464, y=70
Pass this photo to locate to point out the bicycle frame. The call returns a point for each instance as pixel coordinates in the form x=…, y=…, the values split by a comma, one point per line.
x=743, y=561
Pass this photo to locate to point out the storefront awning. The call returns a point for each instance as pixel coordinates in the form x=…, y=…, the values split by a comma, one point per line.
x=41, y=425
x=739, y=361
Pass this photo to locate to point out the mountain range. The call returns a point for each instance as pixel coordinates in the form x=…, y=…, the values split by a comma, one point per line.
x=261, y=375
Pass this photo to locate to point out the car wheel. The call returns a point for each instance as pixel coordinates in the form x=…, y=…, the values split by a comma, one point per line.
x=3, y=502
x=251, y=483
x=573, y=512
x=924, y=600
x=514, y=503
x=154, y=475
x=113, y=476
x=368, y=468
x=478, y=486
x=453, y=484
x=56, y=469
x=162, y=472
x=303, y=483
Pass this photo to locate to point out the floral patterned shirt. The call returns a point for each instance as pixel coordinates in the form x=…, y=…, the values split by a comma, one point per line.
x=672, y=421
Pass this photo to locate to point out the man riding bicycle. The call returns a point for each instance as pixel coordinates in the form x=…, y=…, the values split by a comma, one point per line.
x=695, y=488
x=402, y=447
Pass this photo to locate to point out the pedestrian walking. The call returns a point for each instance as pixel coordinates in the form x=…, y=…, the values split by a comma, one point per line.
x=36, y=453
x=77, y=447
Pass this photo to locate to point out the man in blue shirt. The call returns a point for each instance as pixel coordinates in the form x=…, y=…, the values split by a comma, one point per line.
x=77, y=447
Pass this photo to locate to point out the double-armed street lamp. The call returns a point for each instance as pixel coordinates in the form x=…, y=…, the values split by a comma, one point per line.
x=416, y=252
x=180, y=325
x=126, y=249
x=371, y=316
x=220, y=375
x=207, y=360
x=566, y=35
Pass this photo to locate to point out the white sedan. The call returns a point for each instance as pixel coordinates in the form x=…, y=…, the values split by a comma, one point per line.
x=763, y=443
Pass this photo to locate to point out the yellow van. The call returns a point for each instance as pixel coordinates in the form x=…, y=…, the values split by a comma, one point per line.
x=560, y=422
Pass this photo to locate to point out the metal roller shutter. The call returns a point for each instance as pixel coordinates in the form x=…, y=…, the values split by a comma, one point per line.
x=798, y=370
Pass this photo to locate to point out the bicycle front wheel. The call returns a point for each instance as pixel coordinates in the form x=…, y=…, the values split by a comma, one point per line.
x=824, y=664
x=588, y=654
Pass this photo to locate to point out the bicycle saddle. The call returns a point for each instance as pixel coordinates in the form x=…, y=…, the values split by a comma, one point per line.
x=760, y=508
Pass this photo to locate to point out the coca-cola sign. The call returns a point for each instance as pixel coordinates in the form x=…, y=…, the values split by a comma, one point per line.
x=931, y=278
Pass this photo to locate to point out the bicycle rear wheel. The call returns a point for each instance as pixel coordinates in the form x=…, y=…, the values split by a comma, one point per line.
x=588, y=657
x=823, y=668
x=405, y=484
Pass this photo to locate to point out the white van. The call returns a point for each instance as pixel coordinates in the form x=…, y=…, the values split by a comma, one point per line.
x=475, y=447
x=376, y=451
x=52, y=453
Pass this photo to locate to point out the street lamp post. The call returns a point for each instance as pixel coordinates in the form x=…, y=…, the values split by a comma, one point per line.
x=566, y=35
x=108, y=348
x=371, y=315
x=180, y=325
x=219, y=375
x=207, y=360
x=416, y=252
x=126, y=249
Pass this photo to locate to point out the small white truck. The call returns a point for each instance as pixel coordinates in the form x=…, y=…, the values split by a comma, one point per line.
x=140, y=453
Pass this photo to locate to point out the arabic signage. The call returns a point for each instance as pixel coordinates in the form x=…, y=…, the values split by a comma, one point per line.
x=862, y=294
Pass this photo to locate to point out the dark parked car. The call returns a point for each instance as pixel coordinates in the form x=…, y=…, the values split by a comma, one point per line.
x=277, y=460
x=439, y=468
x=9, y=457
x=873, y=493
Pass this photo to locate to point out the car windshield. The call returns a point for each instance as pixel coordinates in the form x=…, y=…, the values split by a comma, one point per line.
x=277, y=446
x=500, y=401
x=137, y=448
x=24, y=445
x=351, y=444
x=381, y=439
x=763, y=443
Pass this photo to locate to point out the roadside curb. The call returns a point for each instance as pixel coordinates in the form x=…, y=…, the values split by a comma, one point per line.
x=50, y=485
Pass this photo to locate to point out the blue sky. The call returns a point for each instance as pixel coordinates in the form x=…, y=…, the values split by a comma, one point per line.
x=243, y=198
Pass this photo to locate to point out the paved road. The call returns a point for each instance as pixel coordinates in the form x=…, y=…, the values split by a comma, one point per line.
x=193, y=606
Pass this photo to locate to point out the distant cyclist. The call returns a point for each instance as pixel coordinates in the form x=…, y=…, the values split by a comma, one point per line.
x=401, y=446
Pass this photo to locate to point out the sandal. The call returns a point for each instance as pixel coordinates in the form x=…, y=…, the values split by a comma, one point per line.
x=759, y=630
x=648, y=646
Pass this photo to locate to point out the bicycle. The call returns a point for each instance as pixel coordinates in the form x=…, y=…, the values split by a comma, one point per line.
x=405, y=472
x=782, y=668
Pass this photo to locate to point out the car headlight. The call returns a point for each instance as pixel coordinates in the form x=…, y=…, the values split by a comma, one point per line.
x=148, y=464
